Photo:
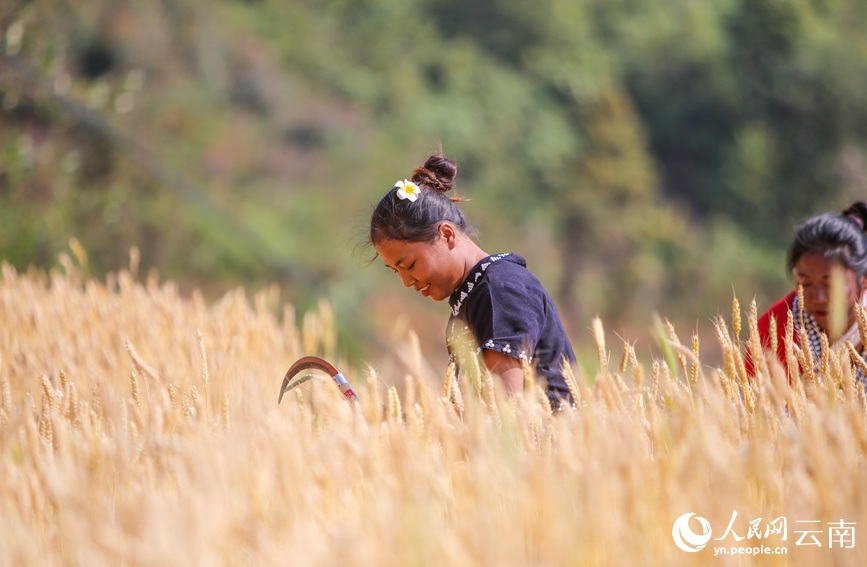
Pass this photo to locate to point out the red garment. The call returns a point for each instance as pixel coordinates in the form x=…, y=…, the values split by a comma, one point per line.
x=779, y=311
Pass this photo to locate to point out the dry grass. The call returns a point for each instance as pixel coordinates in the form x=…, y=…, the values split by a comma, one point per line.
x=140, y=428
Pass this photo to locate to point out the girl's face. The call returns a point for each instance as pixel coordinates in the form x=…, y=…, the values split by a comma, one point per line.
x=813, y=273
x=432, y=268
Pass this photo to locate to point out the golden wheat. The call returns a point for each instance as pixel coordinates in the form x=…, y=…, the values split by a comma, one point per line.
x=139, y=471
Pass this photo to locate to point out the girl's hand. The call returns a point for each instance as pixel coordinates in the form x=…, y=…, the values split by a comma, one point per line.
x=507, y=368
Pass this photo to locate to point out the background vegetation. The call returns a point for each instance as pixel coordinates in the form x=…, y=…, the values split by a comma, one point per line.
x=643, y=156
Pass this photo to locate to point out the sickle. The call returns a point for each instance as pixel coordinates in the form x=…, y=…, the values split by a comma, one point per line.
x=316, y=363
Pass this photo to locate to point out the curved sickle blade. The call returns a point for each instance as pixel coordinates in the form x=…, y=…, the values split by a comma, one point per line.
x=316, y=363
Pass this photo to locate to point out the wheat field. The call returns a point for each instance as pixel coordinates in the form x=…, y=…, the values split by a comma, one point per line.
x=139, y=427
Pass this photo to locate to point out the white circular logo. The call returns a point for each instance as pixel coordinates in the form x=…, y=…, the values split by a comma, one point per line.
x=685, y=538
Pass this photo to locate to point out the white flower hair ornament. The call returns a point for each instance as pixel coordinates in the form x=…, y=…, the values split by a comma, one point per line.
x=407, y=190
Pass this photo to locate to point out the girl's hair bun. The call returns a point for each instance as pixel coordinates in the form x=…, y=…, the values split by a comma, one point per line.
x=437, y=173
x=857, y=212
x=398, y=218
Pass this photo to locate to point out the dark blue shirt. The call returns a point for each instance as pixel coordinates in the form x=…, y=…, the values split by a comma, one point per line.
x=503, y=307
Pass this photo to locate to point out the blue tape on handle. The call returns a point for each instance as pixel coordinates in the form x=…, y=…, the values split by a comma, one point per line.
x=340, y=379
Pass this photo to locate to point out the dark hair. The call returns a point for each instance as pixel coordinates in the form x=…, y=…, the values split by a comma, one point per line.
x=839, y=238
x=419, y=220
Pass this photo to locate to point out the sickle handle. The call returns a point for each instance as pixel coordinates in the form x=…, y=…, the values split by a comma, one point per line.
x=344, y=386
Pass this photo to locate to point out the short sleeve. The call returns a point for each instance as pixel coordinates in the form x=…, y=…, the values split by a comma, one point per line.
x=507, y=317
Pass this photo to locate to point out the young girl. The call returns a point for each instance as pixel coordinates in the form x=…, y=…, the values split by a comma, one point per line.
x=423, y=236
x=821, y=244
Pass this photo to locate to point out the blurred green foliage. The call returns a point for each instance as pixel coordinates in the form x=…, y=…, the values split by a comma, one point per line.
x=644, y=156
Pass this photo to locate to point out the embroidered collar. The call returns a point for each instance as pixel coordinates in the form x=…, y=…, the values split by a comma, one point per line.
x=457, y=298
x=811, y=326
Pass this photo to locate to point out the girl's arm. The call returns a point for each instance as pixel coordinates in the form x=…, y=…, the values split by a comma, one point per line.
x=508, y=368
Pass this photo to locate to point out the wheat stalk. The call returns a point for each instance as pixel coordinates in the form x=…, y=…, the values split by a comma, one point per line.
x=773, y=333
x=624, y=359
x=395, y=412
x=675, y=342
x=801, y=304
x=135, y=389
x=736, y=321
x=5, y=394
x=204, y=374
x=571, y=383
x=227, y=422
x=599, y=339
